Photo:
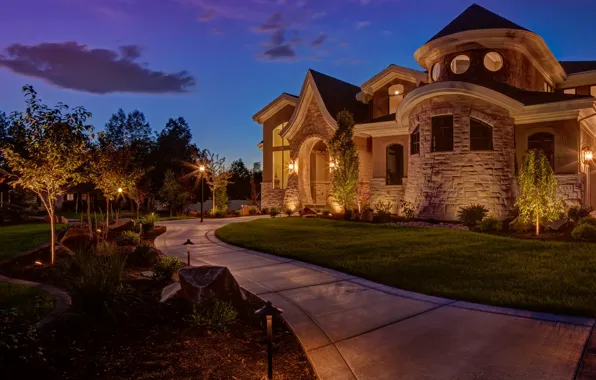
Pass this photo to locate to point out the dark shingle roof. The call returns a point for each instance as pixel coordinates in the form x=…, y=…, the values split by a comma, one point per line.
x=530, y=98
x=339, y=95
x=573, y=67
x=379, y=119
x=476, y=17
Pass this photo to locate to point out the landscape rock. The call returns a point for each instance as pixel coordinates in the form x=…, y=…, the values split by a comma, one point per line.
x=308, y=212
x=557, y=224
x=77, y=238
x=171, y=291
x=148, y=273
x=200, y=284
x=122, y=225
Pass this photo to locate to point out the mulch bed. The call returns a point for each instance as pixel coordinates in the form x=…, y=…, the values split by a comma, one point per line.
x=144, y=339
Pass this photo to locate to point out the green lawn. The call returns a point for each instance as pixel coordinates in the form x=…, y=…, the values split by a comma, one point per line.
x=31, y=303
x=19, y=238
x=528, y=274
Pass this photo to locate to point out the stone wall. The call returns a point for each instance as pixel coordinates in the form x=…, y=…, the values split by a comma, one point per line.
x=271, y=197
x=439, y=183
x=571, y=188
x=379, y=191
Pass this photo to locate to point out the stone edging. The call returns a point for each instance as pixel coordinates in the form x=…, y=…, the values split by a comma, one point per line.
x=62, y=299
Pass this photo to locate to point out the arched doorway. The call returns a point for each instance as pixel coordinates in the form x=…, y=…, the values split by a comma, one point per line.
x=313, y=168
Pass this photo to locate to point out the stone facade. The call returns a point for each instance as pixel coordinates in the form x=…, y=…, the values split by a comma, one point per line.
x=571, y=188
x=271, y=197
x=379, y=191
x=439, y=183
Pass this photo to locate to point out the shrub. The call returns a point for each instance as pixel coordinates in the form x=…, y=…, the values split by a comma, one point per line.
x=578, y=212
x=149, y=221
x=166, y=267
x=129, y=238
x=383, y=207
x=520, y=226
x=490, y=224
x=289, y=212
x=219, y=214
x=471, y=215
x=326, y=212
x=348, y=214
x=252, y=211
x=265, y=211
x=407, y=210
x=95, y=277
x=237, y=212
x=584, y=232
x=214, y=316
x=587, y=220
x=274, y=212
x=143, y=255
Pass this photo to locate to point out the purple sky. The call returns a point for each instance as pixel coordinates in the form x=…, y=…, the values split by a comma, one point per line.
x=216, y=63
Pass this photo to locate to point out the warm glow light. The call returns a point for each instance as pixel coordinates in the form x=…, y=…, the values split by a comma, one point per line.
x=98, y=230
x=202, y=168
x=588, y=155
x=331, y=164
x=291, y=166
x=37, y=262
x=396, y=92
x=119, y=189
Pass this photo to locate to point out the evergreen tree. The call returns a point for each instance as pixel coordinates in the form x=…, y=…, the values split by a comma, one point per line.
x=537, y=187
x=344, y=177
x=172, y=194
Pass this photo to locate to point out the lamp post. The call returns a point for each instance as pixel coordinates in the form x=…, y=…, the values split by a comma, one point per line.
x=268, y=311
x=588, y=156
x=202, y=170
x=188, y=243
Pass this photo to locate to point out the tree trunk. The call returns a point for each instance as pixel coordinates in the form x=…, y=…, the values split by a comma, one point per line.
x=213, y=210
x=107, y=217
x=537, y=224
x=89, y=213
x=53, y=234
x=138, y=210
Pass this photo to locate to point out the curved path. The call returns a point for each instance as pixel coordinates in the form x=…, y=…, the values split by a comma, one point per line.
x=352, y=328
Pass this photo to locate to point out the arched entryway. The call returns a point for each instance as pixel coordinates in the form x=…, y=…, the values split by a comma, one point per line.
x=313, y=171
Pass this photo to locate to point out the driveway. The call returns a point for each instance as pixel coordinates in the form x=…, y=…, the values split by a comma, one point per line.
x=352, y=328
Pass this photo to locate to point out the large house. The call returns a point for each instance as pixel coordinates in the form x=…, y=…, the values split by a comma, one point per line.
x=446, y=136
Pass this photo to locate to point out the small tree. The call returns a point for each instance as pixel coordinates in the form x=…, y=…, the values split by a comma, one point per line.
x=344, y=177
x=218, y=176
x=254, y=195
x=52, y=147
x=172, y=193
x=537, y=187
x=362, y=196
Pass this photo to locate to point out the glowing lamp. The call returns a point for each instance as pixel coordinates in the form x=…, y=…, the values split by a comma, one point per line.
x=202, y=168
x=291, y=166
x=188, y=243
x=332, y=164
x=120, y=190
x=588, y=155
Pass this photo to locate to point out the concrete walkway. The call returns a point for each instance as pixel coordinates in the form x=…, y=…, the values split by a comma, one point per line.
x=352, y=328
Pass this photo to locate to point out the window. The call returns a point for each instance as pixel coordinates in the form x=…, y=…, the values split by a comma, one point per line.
x=281, y=158
x=436, y=72
x=547, y=87
x=395, y=164
x=569, y=91
x=493, y=61
x=70, y=197
x=593, y=91
x=544, y=141
x=396, y=95
x=460, y=64
x=481, y=135
x=442, y=129
x=415, y=141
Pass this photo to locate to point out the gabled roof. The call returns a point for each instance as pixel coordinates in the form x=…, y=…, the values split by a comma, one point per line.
x=576, y=67
x=476, y=17
x=276, y=105
x=338, y=95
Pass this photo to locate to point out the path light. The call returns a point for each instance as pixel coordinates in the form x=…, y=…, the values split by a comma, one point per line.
x=188, y=243
x=202, y=170
x=268, y=311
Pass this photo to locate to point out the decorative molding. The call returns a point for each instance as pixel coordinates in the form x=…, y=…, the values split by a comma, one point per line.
x=586, y=78
x=487, y=119
x=275, y=106
x=390, y=73
x=442, y=111
x=528, y=43
x=385, y=128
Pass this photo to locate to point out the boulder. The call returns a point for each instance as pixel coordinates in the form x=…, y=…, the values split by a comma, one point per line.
x=308, y=212
x=78, y=238
x=171, y=291
x=557, y=224
x=148, y=273
x=124, y=224
x=200, y=284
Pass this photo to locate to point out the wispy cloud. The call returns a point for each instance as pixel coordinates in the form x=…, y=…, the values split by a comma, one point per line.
x=319, y=40
x=362, y=24
x=208, y=15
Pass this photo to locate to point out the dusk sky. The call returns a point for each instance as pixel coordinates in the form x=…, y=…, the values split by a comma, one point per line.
x=216, y=63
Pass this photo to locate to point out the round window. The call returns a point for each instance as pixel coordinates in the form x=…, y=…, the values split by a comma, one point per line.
x=493, y=61
x=460, y=64
x=435, y=72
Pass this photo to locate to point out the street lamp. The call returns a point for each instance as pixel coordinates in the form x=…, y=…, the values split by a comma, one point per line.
x=268, y=311
x=588, y=156
x=202, y=170
x=188, y=243
x=120, y=190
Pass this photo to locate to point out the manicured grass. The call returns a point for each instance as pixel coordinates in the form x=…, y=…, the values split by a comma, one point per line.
x=30, y=302
x=556, y=277
x=19, y=238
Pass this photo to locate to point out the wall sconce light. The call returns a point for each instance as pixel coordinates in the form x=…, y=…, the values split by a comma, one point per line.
x=332, y=165
x=291, y=166
x=588, y=155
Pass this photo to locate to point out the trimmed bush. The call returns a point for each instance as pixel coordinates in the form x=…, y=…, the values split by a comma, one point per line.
x=252, y=211
x=576, y=213
x=584, y=232
x=236, y=212
x=166, y=267
x=214, y=316
x=129, y=238
x=274, y=212
x=471, y=215
x=383, y=207
x=490, y=224
x=407, y=210
x=289, y=212
x=219, y=214
x=587, y=220
x=265, y=211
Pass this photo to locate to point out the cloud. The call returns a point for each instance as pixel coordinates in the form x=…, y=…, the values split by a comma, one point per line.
x=362, y=24
x=100, y=71
x=319, y=40
x=278, y=37
x=208, y=15
x=273, y=24
x=318, y=15
x=284, y=52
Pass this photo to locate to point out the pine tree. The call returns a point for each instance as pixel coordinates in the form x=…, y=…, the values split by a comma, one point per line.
x=537, y=187
x=344, y=177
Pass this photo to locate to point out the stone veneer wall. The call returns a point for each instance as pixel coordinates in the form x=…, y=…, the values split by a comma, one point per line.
x=440, y=183
x=379, y=191
x=271, y=197
x=571, y=188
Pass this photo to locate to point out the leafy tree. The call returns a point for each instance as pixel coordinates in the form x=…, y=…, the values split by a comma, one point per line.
x=126, y=130
x=342, y=149
x=140, y=192
x=238, y=169
x=53, y=147
x=537, y=187
x=240, y=186
x=3, y=135
x=218, y=176
x=221, y=196
x=172, y=193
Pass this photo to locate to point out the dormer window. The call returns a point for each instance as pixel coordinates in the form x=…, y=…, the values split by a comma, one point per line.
x=396, y=95
x=460, y=64
x=493, y=61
